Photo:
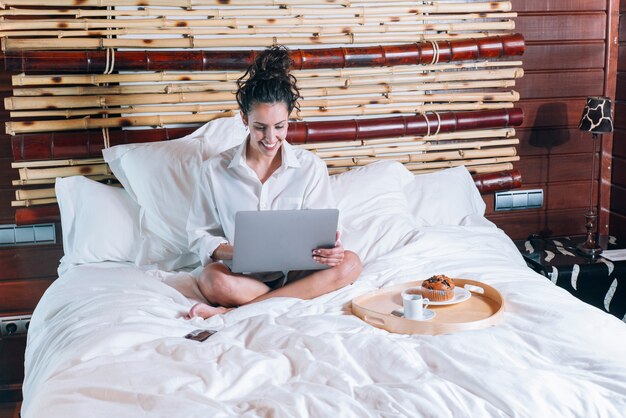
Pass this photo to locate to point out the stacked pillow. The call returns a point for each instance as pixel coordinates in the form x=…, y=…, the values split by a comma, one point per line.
x=374, y=214
x=99, y=223
x=445, y=197
x=381, y=205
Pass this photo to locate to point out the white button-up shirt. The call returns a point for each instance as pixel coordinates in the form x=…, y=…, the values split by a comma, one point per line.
x=228, y=185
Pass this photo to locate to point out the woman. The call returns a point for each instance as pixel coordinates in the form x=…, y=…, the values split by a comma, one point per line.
x=263, y=173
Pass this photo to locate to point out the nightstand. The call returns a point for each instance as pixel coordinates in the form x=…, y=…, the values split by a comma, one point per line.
x=599, y=282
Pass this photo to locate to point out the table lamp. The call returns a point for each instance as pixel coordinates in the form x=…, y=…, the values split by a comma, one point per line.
x=597, y=119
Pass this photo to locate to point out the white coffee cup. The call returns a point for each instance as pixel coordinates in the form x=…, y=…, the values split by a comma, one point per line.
x=414, y=303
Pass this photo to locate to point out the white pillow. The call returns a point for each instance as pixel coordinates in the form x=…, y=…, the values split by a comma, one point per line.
x=374, y=213
x=99, y=223
x=162, y=178
x=445, y=197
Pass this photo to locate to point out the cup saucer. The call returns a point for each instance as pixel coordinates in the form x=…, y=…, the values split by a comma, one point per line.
x=428, y=314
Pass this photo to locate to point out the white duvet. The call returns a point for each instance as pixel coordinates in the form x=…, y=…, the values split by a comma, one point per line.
x=106, y=341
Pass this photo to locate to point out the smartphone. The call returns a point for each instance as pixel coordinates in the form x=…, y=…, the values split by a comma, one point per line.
x=200, y=334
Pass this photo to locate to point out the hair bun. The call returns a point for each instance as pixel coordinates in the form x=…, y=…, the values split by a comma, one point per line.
x=273, y=62
x=268, y=80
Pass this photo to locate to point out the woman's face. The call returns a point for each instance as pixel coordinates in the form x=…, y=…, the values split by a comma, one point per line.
x=268, y=124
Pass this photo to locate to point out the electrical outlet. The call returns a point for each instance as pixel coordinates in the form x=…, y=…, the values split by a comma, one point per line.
x=13, y=326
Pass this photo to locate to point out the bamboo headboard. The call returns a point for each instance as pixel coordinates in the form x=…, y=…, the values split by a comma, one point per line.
x=425, y=83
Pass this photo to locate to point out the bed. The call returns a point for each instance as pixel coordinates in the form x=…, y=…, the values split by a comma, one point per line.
x=106, y=339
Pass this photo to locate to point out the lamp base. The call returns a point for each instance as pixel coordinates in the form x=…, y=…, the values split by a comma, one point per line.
x=586, y=251
x=590, y=247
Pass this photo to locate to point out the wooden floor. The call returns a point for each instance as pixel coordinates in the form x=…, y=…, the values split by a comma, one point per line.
x=10, y=410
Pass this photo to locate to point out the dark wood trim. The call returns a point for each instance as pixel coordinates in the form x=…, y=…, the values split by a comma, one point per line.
x=610, y=86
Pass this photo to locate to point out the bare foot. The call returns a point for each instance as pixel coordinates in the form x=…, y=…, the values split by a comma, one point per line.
x=205, y=311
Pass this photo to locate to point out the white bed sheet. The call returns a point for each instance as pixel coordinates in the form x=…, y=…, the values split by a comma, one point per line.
x=106, y=341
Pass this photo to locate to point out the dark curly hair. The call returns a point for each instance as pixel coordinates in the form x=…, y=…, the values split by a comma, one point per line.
x=268, y=81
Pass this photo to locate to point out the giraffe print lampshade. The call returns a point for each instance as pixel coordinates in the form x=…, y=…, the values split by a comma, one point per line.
x=597, y=117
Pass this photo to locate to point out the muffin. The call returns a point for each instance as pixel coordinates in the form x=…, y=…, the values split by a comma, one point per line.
x=438, y=288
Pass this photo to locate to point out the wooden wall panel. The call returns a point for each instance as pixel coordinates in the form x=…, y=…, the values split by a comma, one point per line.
x=21, y=296
x=558, y=56
x=566, y=61
x=29, y=262
x=580, y=83
x=619, y=176
x=618, y=191
x=547, y=223
x=561, y=26
x=558, y=5
x=551, y=141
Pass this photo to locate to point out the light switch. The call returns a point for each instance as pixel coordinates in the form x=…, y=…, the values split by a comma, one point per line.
x=519, y=199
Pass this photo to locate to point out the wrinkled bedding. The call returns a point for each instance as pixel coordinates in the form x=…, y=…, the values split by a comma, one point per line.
x=106, y=341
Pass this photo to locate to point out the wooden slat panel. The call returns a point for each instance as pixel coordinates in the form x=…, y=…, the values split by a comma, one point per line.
x=619, y=143
x=618, y=205
x=11, y=363
x=553, y=141
x=620, y=115
x=22, y=295
x=7, y=173
x=621, y=63
x=558, y=112
x=562, y=27
x=558, y=56
x=561, y=84
x=557, y=5
x=555, y=168
x=5, y=145
x=620, y=93
x=549, y=223
x=25, y=262
x=565, y=195
x=618, y=225
x=619, y=173
x=7, y=213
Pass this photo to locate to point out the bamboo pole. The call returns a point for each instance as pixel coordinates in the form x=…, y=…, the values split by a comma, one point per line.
x=471, y=162
x=304, y=85
x=439, y=7
x=425, y=157
x=474, y=169
x=487, y=165
x=449, y=136
x=467, y=49
x=197, y=29
x=164, y=76
x=33, y=202
x=322, y=103
x=56, y=163
x=31, y=194
x=36, y=182
x=13, y=128
x=35, y=102
x=413, y=148
x=9, y=44
x=46, y=173
x=169, y=22
x=88, y=123
x=387, y=110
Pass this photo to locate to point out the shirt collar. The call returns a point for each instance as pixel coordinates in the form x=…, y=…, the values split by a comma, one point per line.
x=289, y=157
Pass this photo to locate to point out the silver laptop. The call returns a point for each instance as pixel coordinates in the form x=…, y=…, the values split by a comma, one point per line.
x=281, y=240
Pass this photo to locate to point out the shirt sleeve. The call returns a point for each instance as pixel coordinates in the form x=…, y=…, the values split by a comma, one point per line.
x=204, y=230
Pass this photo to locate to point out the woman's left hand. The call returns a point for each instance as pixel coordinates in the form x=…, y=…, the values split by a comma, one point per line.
x=330, y=256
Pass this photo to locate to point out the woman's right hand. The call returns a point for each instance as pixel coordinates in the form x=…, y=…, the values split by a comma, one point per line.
x=223, y=252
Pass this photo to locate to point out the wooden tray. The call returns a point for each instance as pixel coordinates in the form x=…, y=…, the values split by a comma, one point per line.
x=479, y=311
